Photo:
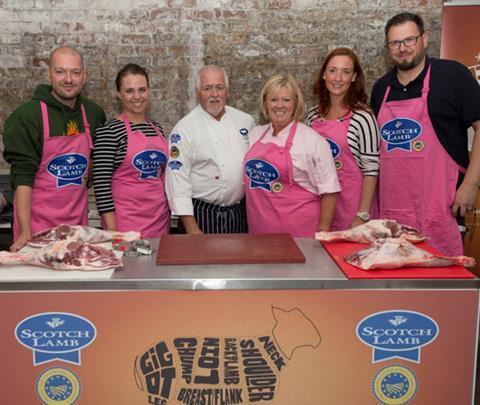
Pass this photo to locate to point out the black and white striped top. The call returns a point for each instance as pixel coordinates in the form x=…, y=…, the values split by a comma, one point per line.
x=363, y=139
x=109, y=150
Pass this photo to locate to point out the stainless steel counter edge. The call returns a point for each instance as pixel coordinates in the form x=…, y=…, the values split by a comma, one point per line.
x=317, y=273
x=199, y=285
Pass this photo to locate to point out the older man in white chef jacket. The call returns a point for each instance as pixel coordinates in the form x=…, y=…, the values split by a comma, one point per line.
x=204, y=182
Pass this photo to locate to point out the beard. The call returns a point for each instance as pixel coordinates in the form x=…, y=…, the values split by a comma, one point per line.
x=417, y=59
x=215, y=108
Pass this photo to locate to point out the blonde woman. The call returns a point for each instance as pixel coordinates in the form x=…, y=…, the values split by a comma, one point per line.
x=290, y=177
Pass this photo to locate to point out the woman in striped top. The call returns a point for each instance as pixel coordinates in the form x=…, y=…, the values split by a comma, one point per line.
x=129, y=158
x=343, y=117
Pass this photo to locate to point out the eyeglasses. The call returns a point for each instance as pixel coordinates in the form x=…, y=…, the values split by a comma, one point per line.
x=408, y=42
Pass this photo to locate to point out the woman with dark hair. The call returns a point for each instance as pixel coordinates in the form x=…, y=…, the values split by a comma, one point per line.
x=129, y=158
x=343, y=117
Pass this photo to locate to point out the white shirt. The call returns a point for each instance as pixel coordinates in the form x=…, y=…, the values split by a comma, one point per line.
x=206, y=159
x=313, y=166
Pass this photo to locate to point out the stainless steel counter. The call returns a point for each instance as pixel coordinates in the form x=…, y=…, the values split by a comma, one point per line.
x=319, y=272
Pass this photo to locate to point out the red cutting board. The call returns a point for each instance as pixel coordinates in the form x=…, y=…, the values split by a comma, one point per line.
x=339, y=249
x=228, y=249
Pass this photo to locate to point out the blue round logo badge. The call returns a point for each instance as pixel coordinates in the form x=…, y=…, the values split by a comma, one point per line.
x=395, y=385
x=334, y=147
x=149, y=163
x=400, y=132
x=175, y=165
x=261, y=174
x=55, y=336
x=244, y=132
x=399, y=334
x=58, y=386
x=68, y=168
x=175, y=138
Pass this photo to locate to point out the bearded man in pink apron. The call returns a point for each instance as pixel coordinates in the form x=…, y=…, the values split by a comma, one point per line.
x=424, y=107
x=48, y=141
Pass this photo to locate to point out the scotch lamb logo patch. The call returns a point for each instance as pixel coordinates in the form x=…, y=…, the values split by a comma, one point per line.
x=399, y=133
x=261, y=174
x=68, y=168
x=150, y=163
x=334, y=147
x=55, y=336
x=224, y=370
x=397, y=334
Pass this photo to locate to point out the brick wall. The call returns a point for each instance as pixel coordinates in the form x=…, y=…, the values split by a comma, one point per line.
x=252, y=39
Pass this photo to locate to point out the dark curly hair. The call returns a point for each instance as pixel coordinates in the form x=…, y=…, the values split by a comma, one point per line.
x=356, y=97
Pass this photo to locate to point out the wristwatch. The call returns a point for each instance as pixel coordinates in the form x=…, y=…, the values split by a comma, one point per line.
x=363, y=215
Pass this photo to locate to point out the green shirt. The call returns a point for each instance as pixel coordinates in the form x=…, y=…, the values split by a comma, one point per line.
x=23, y=131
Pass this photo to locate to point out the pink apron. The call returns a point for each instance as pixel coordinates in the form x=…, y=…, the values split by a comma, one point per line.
x=349, y=174
x=275, y=203
x=59, y=193
x=138, y=185
x=417, y=176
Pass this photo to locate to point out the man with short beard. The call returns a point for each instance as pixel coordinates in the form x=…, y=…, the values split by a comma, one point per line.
x=424, y=107
x=48, y=141
x=204, y=181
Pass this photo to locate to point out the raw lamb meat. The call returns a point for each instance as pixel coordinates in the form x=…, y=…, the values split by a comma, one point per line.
x=393, y=253
x=79, y=232
x=371, y=231
x=66, y=255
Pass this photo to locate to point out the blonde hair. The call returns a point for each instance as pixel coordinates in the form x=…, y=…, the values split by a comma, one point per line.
x=276, y=82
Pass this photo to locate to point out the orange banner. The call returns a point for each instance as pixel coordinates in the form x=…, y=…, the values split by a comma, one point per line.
x=238, y=347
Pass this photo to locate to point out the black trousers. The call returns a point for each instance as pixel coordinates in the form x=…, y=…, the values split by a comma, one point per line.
x=213, y=218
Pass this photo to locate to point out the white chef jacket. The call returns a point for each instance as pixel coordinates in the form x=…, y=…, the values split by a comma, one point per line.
x=206, y=159
x=313, y=166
